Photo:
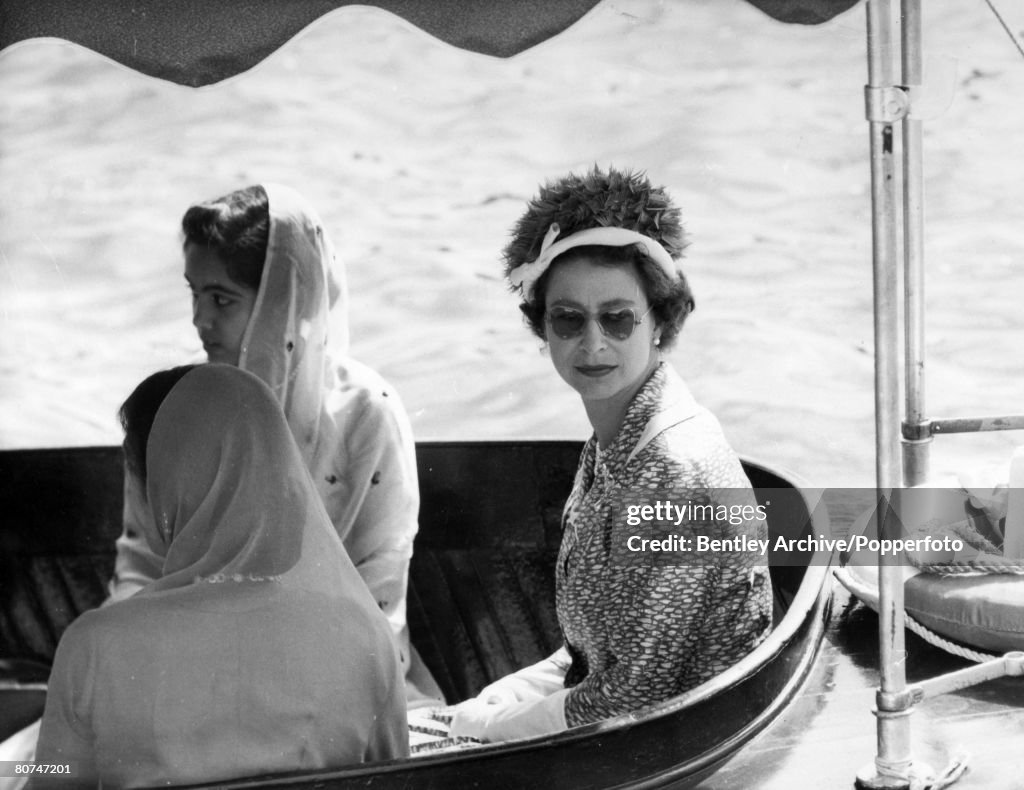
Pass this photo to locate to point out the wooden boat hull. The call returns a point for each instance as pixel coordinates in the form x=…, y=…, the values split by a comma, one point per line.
x=481, y=596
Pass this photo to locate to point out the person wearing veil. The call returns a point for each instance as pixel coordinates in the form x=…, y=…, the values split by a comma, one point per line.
x=595, y=261
x=267, y=297
x=259, y=648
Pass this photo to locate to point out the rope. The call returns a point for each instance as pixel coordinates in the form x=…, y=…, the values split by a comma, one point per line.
x=949, y=775
x=955, y=648
x=971, y=568
x=867, y=594
x=1006, y=27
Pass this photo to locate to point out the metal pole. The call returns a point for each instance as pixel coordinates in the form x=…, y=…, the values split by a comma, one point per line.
x=915, y=445
x=886, y=104
x=893, y=758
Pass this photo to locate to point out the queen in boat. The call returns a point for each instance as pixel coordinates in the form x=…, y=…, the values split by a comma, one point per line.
x=595, y=259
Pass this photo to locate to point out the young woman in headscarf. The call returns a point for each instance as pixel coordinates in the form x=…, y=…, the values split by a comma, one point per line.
x=259, y=648
x=595, y=259
x=266, y=297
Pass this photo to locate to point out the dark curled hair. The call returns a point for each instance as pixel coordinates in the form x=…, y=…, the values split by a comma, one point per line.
x=138, y=412
x=611, y=198
x=237, y=227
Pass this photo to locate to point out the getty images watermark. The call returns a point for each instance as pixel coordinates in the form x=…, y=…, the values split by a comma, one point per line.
x=787, y=527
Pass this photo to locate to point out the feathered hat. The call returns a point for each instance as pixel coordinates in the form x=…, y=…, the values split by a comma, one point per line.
x=613, y=208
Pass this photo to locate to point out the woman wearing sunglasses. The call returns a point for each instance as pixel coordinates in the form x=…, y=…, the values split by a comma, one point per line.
x=595, y=259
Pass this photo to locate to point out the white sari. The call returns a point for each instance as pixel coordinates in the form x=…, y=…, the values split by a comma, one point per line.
x=259, y=649
x=349, y=424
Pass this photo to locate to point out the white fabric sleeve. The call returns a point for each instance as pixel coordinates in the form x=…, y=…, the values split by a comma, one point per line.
x=135, y=565
x=19, y=747
x=375, y=506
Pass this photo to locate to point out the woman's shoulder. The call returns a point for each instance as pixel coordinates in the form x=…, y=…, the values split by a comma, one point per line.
x=696, y=451
x=355, y=379
x=355, y=390
x=703, y=428
x=96, y=631
x=687, y=422
x=362, y=413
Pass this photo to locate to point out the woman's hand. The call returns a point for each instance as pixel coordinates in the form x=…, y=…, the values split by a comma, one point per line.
x=472, y=717
x=497, y=718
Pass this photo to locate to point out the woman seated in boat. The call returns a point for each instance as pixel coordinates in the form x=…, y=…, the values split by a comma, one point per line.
x=259, y=648
x=259, y=266
x=595, y=258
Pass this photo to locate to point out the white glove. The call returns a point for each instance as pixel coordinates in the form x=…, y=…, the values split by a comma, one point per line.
x=530, y=683
x=506, y=721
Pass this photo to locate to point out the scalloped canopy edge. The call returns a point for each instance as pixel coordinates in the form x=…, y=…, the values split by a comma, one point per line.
x=199, y=42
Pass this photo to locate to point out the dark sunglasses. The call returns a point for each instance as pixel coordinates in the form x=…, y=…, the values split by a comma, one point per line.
x=567, y=322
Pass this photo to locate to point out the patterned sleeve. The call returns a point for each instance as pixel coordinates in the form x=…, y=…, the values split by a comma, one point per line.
x=655, y=648
x=684, y=616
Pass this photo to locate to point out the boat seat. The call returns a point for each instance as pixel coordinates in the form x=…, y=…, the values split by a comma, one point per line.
x=22, y=694
x=481, y=600
x=62, y=513
x=477, y=614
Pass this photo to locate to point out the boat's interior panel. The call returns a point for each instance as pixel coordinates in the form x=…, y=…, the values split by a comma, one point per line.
x=482, y=580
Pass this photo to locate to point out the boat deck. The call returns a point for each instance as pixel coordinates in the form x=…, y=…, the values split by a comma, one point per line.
x=828, y=734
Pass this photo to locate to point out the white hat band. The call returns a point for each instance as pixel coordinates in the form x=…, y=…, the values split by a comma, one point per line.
x=526, y=275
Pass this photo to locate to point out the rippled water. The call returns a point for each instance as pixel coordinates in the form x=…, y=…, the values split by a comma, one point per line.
x=420, y=157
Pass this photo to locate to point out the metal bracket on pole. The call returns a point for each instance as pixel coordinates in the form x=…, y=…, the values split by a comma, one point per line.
x=892, y=707
x=976, y=424
x=885, y=775
x=887, y=104
x=917, y=441
x=1010, y=665
x=917, y=431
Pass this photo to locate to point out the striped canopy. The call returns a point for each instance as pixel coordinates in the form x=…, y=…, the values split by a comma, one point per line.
x=200, y=42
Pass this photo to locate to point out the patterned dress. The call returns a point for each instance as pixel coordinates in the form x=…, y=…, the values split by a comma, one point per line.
x=644, y=626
